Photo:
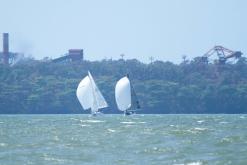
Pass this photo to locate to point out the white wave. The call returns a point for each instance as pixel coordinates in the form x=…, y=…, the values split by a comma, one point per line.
x=128, y=122
x=54, y=159
x=128, y=125
x=226, y=140
x=92, y=121
x=200, y=121
x=223, y=122
x=111, y=130
x=192, y=163
x=200, y=129
x=74, y=119
x=56, y=138
x=84, y=125
x=196, y=130
x=3, y=144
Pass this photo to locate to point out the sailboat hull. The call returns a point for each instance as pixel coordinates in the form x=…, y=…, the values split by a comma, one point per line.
x=128, y=113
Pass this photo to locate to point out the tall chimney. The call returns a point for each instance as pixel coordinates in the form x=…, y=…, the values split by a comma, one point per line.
x=6, y=48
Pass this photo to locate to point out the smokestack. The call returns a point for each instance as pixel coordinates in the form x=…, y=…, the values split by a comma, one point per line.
x=6, y=48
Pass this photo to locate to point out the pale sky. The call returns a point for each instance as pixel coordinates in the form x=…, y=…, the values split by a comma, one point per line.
x=164, y=29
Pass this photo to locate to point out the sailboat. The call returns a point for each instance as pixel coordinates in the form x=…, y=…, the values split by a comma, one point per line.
x=90, y=96
x=126, y=97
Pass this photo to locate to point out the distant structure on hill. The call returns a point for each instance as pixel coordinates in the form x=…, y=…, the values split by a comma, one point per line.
x=7, y=57
x=72, y=55
x=222, y=53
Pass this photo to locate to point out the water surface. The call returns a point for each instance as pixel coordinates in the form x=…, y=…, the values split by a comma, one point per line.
x=115, y=139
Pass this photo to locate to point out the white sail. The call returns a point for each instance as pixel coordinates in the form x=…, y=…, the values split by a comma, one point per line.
x=84, y=93
x=89, y=95
x=123, y=94
x=100, y=100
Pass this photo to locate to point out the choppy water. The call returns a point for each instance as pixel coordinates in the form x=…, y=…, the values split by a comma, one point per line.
x=115, y=139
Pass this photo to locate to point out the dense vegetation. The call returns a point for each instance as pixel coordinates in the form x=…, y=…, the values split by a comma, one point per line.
x=162, y=87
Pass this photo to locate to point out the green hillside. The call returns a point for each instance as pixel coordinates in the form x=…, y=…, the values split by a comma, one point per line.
x=162, y=87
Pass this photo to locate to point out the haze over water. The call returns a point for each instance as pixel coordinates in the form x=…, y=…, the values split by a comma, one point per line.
x=115, y=139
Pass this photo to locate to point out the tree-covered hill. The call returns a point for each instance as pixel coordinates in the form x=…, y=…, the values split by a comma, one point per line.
x=162, y=87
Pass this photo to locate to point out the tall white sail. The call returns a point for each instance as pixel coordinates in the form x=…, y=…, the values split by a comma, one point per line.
x=89, y=95
x=100, y=100
x=123, y=94
x=84, y=93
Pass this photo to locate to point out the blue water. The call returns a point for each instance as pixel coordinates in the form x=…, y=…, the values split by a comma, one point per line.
x=115, y=139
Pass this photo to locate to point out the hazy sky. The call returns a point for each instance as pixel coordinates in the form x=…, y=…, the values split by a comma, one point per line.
x=164, y=29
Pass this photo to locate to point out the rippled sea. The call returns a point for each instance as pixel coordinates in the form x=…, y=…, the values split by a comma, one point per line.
x=119, y=140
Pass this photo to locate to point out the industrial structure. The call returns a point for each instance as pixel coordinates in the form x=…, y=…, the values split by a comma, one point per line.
x=223, y=54
x=7, y=57
x=72, y=55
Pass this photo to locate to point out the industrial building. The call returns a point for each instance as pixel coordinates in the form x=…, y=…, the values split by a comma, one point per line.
x=7, y=57
x=72, y=55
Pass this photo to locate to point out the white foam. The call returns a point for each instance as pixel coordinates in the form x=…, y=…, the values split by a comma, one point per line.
x=142, y=122
x=56, y=138
x=223, y=122
x=3, y=144
x=128, y=122
x=74, y=119
x=92, y=121
x=54, y=159
x=200, y=121
x=194, y=163
x=200, y=129
x=84, y=125
x=111, y=130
